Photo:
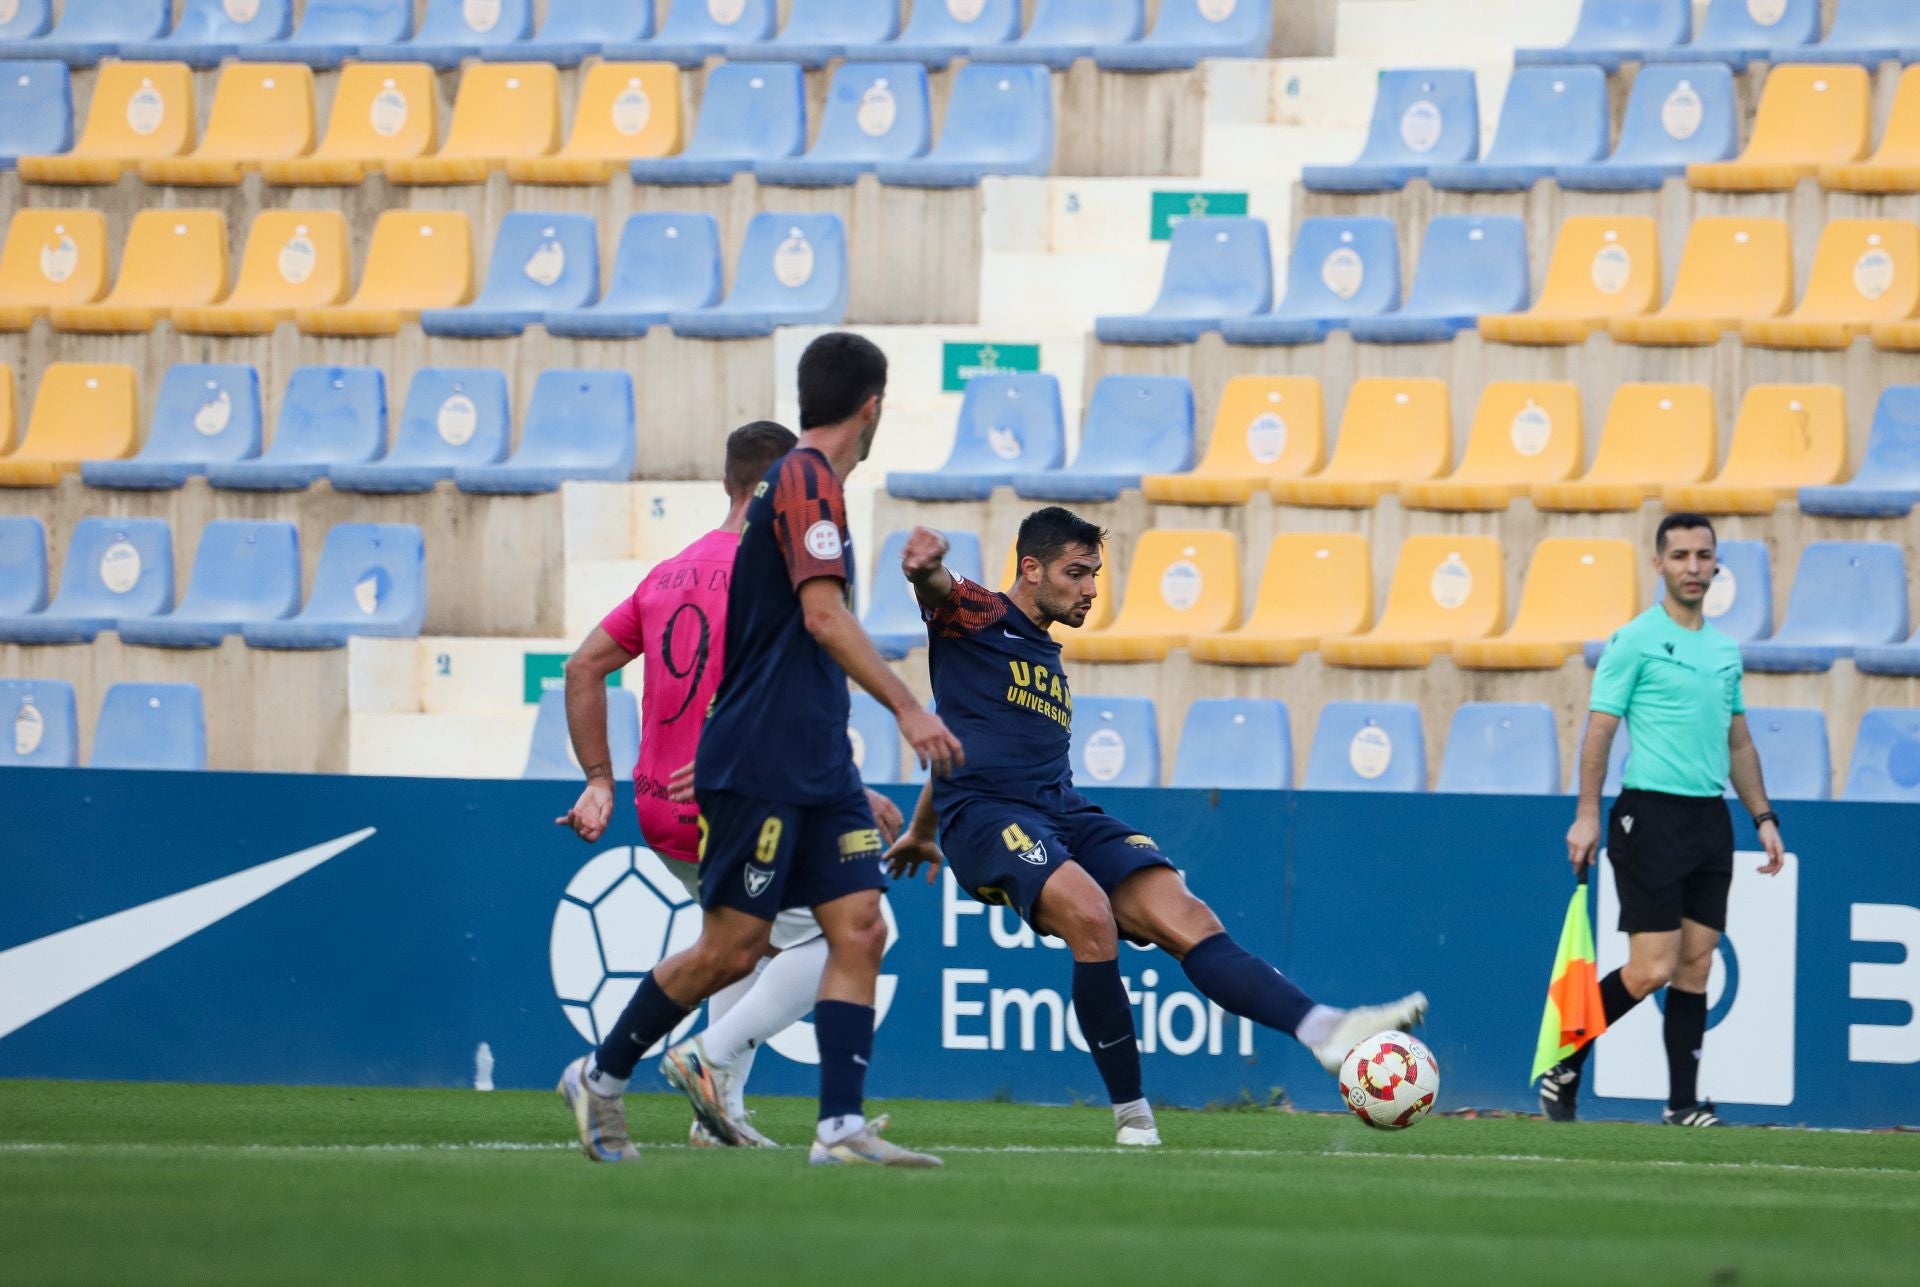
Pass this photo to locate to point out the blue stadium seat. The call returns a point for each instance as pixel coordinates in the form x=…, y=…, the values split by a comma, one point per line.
x=1901, y=659
x=1135, y=424
x=1617, y=755
x=749, y=112
x=579, y=427
x=1340, y=269
x=550, y=754
x=1189, y=30
x=1886, y=757
x=1676, y=115
x=540, y=262
x=666, y=264
x=876, y=741
x=1869, y=32
x=1116, y=742
x=693, y=32
x=792, y=271
x=1234, y=743
x=210, y=30
x=332, y=31
x=875, y=112
x=1846, y=595
x=999, y=121
x=454, y=417
x=1501, y=748
x=1420, y=118
x=372, y=580
x=1611, y=32
x=453, y=30
x=892, y=618
x=1795, y=758
x=1552, y=116
x=1888, y=483
x=1740, y=601
x=1367, y=746
x=1216, y=268
x=1738, y=32
x=30, y=19
x=88, y=30
x=116, y=568
x=203, y=414
x=243, y=571
x=329, y=415
x=574, y=29
x=1470, y=265
x=36, y=110
x=1065, y=30
x=23, y=566
x=819, y=30
x=39, y=727
x=938, y=32
x=1008, y=424
x=151, y=726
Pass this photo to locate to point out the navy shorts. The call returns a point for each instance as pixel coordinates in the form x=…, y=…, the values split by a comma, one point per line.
x=1004, y=851
x=764, y=856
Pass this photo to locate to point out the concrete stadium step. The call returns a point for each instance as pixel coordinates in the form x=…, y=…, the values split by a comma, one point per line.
x=491, y=745
x=1446, y=33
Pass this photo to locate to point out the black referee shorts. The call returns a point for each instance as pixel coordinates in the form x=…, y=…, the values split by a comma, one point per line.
x=1672, y=858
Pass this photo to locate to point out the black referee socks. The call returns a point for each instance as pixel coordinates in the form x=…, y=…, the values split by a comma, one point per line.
x=1615, y=1001
x=1686, y=1032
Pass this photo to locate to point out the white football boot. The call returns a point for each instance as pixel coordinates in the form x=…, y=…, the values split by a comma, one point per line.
x=865, y=1147
x=1361, y=1022
x=600, y=1119
x=1134, y=1127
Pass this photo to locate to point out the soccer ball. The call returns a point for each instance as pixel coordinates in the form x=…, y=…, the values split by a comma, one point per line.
x=1389, y=1081
x=622, y=914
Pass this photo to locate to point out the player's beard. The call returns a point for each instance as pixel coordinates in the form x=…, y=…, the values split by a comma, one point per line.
x=1062, y=608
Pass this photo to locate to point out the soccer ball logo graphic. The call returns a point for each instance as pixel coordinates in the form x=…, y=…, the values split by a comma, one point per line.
x=1389, y=1081
x=622, y=914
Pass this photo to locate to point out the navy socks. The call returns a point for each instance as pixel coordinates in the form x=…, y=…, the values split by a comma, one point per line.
x=1106, y=1021
x=845, y=1033
x=1243, y=984
x=651, y=1015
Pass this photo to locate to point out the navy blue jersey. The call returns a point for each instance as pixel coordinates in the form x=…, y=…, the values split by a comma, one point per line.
x=778, y=726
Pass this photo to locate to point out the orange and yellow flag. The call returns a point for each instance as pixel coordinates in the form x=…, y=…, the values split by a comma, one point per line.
x=1574, y=1015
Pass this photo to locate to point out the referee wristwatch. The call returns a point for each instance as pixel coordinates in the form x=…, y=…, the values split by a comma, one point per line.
x=1761, y=819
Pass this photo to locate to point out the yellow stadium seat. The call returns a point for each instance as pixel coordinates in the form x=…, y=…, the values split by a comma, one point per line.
x=503, y=112
x=1603, y=267
x=1393, y=431
x=1267, y=428
x=1655, y=434
x=172, y=258
x=626, y=111
x=261, y=112
x=1732, y=270
x=417, y=259
x=52, y=257
x=1097, y=616
x=1444, y=588
x=1895, y=167
x=81, y=412
x=295, y=259
x=1180, y=584
x=381, y=112
x=1865, y=271
x=8, y=412
x=1524, y=432
x=1788, y=436
x=1317, y=585
x=1575, y=591
x=139, y=111
x=1809, y=116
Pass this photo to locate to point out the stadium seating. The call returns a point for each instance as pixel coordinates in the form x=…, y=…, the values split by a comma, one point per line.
x=1868, y=32
x=454, y=417
x=1216, y=269
x=1187, y=31
x=1575, y=590
x=1524, y=432
x=261, y=112
x=574, y=30
x=90, y=30
x=115, y=568
x=9, y=409
x=579, y=427
x=52, y=258
x=41, y=728
x=24, y=22
x=1808, y=117
x=1733, y=269
x=1603, y=268
x=329, y=415
x=151, y=726
x=892, y=617
x=1787, y=436
x=1230, y=743
x=332, y=31
x=1795, y=758
x=540, y=261
x=1420, y=119
x=172, y=258
x=1865, y=275
x=1895, y=165
x=1367, y=746
x=1902, y=659
x=23, y=565
x=820, y=30
x=1009, y=424
x=1135, y=425
x=211, y=30
x=1886, y=757
x=294, y=259
x=1676, y=116
x=749, y=112
x=626, y=111
x=1470, y=265
x=82, y=411
x=372, y=580
x=1654, y=434
x=999, y=121
x=550, y=754
x=1552, y=116
x=1267, y=428
x=1739, y=600
x=1846, y=594
x=792, y=271
x=876, y=741
x=1393, y=431
x=1611, y=32
x=242, y=571
x=1317, y=585
x=1444, y=589
x=692, y=33
x=1501, y=748
x=36, y=110
x=1888, y=482
x=1116, y=742
x=137, y=112
x=503, y=112
x=202, y=414
x=381, y=112
x=1180, y=584
x=453, y=30
x=1340, y=269
x=1063, y=31
x=416, y=260
x=666, y=264
x=1738, y=32
x=937, y=33
x=875, y=112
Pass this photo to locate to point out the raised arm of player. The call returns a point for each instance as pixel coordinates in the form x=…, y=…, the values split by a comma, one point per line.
x=1583, y=837
x=1744, y=769
x=923, y=562
x=586, y=675
x=823, y=604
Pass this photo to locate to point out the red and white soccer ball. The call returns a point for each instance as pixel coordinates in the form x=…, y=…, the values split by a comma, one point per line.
x=1389, y=1081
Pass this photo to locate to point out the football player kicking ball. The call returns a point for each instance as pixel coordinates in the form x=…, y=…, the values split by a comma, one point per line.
x=1017, y=834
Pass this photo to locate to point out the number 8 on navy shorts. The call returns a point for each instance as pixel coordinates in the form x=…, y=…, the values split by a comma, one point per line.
x=764, y=856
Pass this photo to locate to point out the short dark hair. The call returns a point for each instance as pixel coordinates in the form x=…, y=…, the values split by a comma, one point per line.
x=838, y=373
x=751, y=451
x=1045, y=533
x=1677, y=522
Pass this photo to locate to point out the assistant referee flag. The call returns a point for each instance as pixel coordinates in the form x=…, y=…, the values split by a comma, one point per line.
x=1573, y=1016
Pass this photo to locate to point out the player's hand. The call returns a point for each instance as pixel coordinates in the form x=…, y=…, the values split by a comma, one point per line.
x=1583, y=842
x=680, y=785
x=910, y=852
x=925, y=551
x=933, y=746
x=591, y=812
x=886, y=815
x=1776, y=848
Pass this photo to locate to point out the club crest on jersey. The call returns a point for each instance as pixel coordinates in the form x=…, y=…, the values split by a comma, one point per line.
x=758, y=878
x=823, y=540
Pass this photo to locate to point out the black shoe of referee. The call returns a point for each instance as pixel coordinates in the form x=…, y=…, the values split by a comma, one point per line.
x=1560, y=1092
x=1700, y=1114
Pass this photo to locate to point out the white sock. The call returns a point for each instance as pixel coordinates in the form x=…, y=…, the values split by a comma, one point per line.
x=741, y=1068
x=1135, y=1111
x=730, y=996
x=1318, y=1025
x=781, y=995
x=835, y=1129
x=603, y=1084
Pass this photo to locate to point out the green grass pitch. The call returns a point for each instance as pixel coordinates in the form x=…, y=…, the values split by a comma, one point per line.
x=151, y=1184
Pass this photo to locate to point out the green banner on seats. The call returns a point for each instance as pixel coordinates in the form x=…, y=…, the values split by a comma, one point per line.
x=541, y=671
x=1170, y=208
x=959, y=363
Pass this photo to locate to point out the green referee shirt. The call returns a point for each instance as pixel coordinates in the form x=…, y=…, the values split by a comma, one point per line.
x=1678, y=690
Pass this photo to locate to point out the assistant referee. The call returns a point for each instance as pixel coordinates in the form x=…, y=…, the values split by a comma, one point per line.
x=1675, y=679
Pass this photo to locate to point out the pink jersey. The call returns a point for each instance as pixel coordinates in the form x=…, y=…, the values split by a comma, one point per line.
x=677, y=620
